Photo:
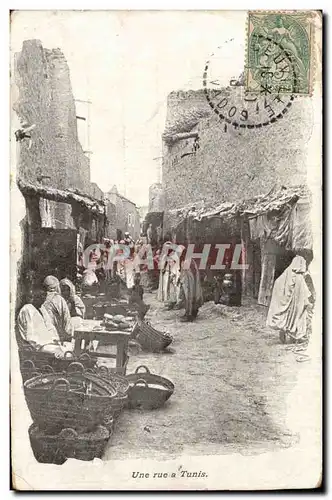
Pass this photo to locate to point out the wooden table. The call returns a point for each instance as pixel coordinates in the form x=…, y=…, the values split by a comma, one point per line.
x=92, y=330
x=96, y=306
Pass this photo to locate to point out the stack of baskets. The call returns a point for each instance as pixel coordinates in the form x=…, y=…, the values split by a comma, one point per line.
x=149, y=338
x=36, y=361
x=72, y=414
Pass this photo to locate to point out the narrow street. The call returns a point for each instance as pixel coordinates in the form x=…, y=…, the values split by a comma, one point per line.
x=232, y=378
x=202, y=180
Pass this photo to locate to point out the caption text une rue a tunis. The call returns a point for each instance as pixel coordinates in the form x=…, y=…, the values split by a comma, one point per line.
x=181, y=473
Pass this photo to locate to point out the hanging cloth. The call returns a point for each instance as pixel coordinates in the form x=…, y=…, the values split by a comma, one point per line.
x=46, y=209
x=269, y=257
x=300, y=234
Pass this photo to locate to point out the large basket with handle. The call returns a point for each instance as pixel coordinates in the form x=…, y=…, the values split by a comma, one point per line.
x=56, y=448
x=29, y=370
x=121, y=385
x=151, y=339
x=76, y=399
x=40, y=358
x=105, y=376
x=147, y=390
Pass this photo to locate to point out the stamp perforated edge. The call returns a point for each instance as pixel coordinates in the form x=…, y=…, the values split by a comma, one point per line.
x=312, y=14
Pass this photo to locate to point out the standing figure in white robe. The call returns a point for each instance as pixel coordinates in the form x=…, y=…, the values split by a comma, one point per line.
x=290, y=302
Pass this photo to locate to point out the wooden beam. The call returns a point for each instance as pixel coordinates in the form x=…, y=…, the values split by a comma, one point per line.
x=60, y=195
x=180, y=137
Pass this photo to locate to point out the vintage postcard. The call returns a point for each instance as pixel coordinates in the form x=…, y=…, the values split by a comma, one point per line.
x=166, y=243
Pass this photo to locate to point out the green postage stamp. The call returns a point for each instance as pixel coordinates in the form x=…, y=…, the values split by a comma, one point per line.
x=279, y=53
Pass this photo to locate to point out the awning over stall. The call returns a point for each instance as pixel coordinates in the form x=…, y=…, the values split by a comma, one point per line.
x=67, y=196
x=282, y=215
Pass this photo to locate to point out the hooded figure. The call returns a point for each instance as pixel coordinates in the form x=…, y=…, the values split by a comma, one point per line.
x=191, y=289
x=288, y=311
x=51, y=284
x=57, y=309
x=149, y=234
x=74, y=302
x=174, y=288
x=89, y=279
x=33, y=329
x=165, y=273
x=128, y=240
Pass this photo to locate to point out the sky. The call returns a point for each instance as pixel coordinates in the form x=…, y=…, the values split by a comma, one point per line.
x=126, y=63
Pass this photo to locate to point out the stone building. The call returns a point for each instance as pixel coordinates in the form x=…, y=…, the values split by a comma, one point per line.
x=154, y=213
x=46, y=100
x=52, y=171
x=229, y=165
x=143, y=211
x=96, y=192
x=156, y=198
x=213, y=169
x=127, y=216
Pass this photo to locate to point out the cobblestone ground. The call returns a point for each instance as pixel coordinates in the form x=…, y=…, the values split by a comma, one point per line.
x=232, y=382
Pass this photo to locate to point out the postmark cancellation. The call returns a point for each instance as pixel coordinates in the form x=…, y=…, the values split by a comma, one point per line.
x=279, y=55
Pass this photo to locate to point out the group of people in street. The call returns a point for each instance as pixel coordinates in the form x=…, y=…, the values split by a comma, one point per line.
x=290, y=311
x=50, y=322
x=179, y=282
x=102, y=267
x=179, y=286
x=177, y=279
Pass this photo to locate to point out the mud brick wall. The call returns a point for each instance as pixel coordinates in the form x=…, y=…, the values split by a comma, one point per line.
x=231, y=165
x=95, y=191
x=111, y=220
x=124, y=207
x=156, y=198
x=46, y=99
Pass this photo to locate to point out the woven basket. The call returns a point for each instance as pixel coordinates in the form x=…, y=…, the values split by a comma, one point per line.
x=108, y=421
x=151, y=339
x=147, y=390
x=28, y=370
x=77, y=400
x=47, y=448
x=135, y=331
x=121, y=385
x=55, y=449
x=41, y=358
